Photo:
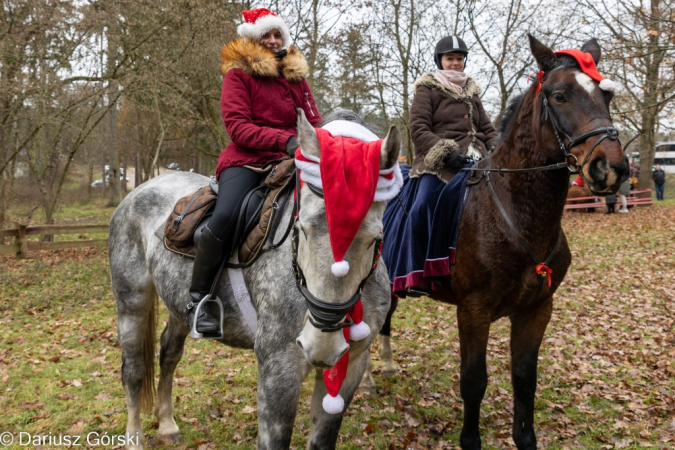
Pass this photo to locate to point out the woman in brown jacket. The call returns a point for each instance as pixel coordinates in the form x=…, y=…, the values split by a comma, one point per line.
x=447, y=118
x=449, y=129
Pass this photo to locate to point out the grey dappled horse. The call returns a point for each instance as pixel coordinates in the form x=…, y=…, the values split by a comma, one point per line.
x=142, y=269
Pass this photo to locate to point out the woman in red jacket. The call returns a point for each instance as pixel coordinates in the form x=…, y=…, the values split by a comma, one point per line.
x=264, y=85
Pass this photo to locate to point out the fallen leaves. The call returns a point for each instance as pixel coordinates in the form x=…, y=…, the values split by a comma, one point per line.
x=606, y=366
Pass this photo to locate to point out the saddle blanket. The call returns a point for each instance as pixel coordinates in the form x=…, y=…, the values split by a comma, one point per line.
x=421, y=227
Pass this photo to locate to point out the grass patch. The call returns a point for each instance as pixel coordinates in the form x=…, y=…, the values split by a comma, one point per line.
x=606, y=369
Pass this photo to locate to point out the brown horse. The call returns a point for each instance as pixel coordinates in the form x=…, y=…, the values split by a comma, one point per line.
x=512, y=253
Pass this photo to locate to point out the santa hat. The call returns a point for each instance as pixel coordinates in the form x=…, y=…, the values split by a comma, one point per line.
x=333, y=403
x=260, y=21
x=350, y=176
x=587, y=65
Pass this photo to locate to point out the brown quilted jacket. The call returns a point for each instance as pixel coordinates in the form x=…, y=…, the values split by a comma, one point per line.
x=442, y=120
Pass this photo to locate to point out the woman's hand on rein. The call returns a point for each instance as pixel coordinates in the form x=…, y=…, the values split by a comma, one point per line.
x=455, y=160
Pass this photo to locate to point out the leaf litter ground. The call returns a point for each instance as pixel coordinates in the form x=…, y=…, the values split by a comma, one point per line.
x=606, y=377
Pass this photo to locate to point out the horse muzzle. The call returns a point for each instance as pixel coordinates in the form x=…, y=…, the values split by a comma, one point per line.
x=322, y=350
x=605, y=177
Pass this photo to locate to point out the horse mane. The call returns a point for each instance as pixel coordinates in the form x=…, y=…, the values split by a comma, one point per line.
x=350, y=116
x=510, y=114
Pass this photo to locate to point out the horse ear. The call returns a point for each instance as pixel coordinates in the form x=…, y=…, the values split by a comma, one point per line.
x=390, y=149
x=307, y=136
x=593, y=48
x=544, y=56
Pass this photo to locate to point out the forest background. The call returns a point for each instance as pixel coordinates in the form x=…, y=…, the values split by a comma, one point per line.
x=91, y=84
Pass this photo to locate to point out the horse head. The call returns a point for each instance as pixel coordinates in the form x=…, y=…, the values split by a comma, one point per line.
x=573, y=115
x=328, y=292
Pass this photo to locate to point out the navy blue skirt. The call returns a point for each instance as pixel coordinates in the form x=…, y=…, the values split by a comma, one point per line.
x=421, y=226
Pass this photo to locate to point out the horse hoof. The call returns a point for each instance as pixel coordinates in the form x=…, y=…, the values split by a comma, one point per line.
x=170, y=439
x=389, y=372
x=367, y=391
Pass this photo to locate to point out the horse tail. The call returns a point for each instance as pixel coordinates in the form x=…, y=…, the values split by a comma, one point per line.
x=148, y=390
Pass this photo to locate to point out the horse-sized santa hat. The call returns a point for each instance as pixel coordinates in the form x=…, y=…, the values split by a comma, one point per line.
x=350, y=176
x=587, y=65
x=261, y=20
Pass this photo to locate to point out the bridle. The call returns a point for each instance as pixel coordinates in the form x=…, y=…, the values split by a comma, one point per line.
x=328, y=317
x=573, y=166
x=542, y=268
x=610, y=133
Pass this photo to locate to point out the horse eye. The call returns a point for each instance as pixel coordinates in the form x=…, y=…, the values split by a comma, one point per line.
x=558, y=97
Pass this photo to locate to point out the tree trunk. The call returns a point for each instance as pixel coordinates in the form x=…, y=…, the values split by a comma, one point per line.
x=115, y=190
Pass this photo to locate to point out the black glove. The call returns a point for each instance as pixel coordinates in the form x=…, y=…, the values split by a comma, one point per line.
x=291, y=146
x=455, y=160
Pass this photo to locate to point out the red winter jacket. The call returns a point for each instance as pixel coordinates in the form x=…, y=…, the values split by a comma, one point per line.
x=259, y=100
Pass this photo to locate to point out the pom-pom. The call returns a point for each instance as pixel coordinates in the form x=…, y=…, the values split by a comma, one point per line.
x=333, y=405
x=359, y=331
x=340, y=268
x=608, y=85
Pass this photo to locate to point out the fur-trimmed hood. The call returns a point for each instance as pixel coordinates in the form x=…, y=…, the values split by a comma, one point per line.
x=255, y=60
x=471, y=88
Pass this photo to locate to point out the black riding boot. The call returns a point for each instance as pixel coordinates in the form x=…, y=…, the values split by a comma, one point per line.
x=207, y=262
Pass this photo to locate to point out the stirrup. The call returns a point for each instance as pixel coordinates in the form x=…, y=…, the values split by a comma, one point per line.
x=210, y=335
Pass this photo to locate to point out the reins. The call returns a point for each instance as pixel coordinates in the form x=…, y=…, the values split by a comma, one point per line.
x=542, y=267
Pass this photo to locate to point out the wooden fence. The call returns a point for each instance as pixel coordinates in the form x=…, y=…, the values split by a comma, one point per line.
x=637, y=197
x=22, y=246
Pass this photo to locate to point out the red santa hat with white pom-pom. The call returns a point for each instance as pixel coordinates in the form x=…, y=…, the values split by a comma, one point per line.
x=259, y=21
x=587, y=65
x=349, y=174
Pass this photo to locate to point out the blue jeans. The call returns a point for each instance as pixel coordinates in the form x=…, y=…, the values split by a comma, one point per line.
x=659, y=190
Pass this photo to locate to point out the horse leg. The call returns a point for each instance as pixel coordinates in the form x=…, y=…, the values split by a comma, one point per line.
x=367, y=385
x=389, y=367
x=527, y=332
x=325, y=427
x=280, y=376
x=136, y=329
x=172, y=344
x=474, y=329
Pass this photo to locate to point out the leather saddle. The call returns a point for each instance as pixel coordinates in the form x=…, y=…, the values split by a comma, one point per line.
x=260, y=212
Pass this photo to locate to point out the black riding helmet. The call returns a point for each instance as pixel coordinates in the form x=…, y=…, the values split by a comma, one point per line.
x=449, y=44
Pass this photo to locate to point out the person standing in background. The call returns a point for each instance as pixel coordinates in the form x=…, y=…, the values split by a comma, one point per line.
x=659, y=177
x=624, y=190
x=610, y=201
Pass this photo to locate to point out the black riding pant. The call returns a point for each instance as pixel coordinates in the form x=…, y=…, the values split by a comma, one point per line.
x=233, y=185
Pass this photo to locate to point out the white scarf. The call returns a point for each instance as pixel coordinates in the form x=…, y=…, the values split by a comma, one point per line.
x=452, y=79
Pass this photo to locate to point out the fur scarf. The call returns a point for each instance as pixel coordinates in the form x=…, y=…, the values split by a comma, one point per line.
x=470, y=89
x=256, y=60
